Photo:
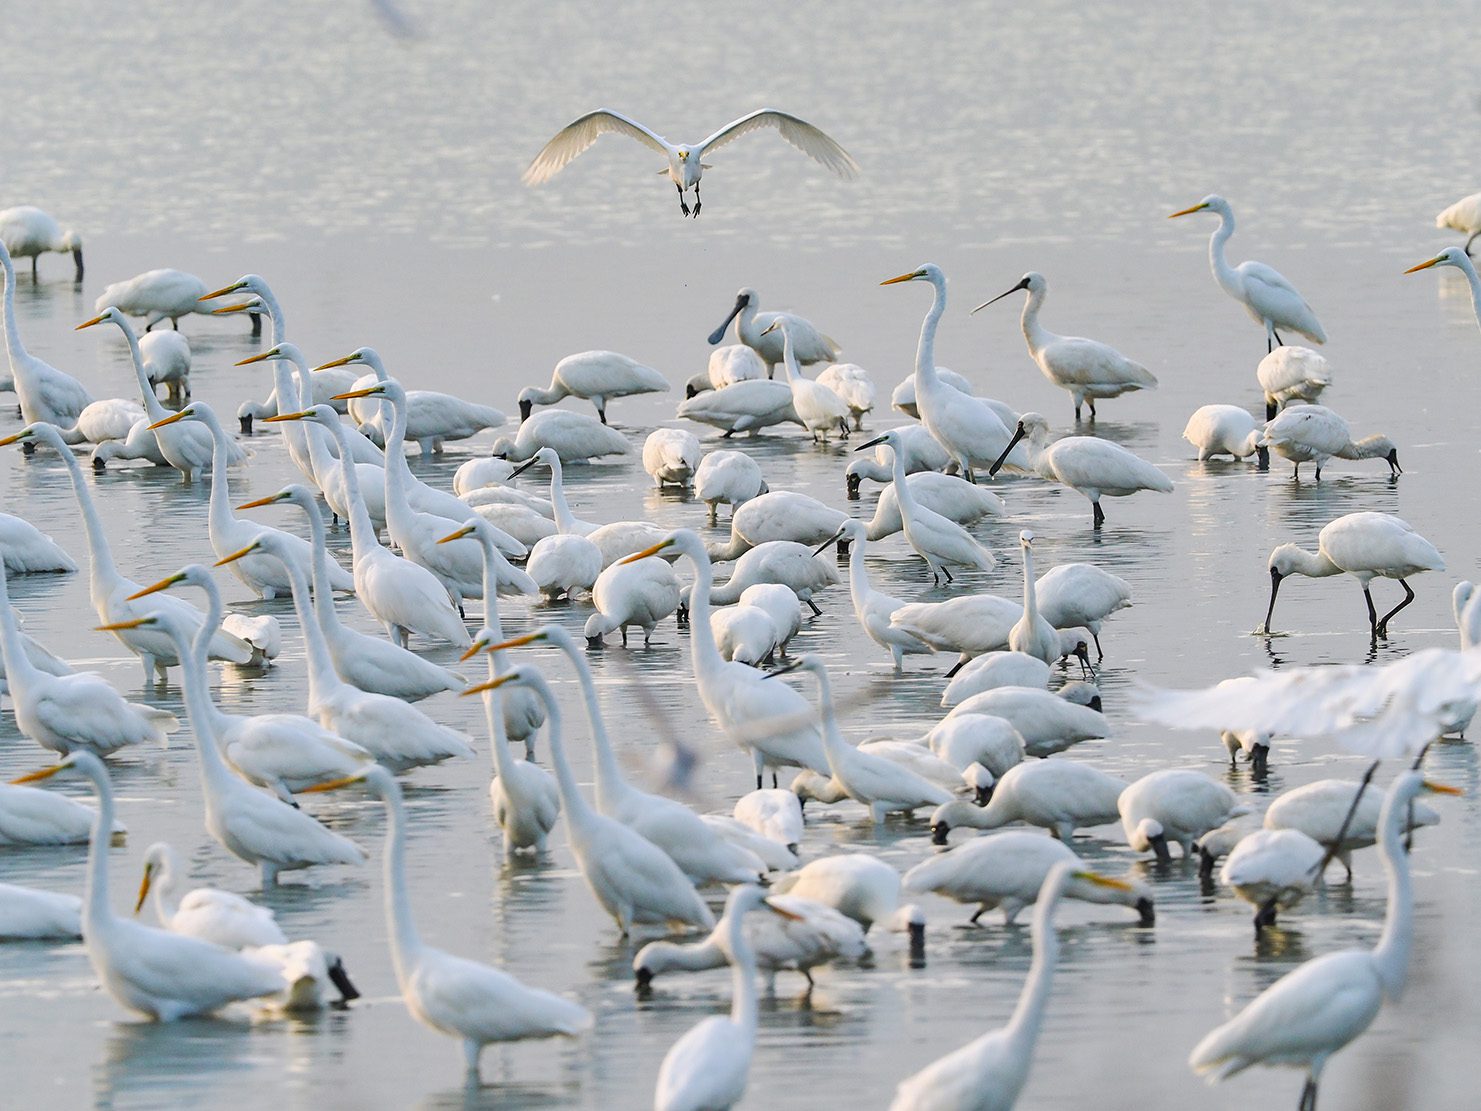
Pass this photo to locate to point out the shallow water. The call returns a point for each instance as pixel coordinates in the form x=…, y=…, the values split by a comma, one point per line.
x=375, y=184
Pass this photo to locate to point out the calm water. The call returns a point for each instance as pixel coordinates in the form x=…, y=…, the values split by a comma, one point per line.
x=374, y=182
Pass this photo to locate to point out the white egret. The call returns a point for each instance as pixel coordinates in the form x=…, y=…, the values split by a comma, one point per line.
x=464, y=999
x=29, y=816
x=1366, y=546
x=1466, y=602
x=1087, y=368
x=282, y=752
x=220, y=917
x=918, y=447
x=988, y=1074
x=872, y=608
x=26, y=550
x=742, y=407
x=573, y=436
x=167, y=363
x=27, y=913
x=781, y=604
x=809, y=935
x=633, y=879
x=671, y=456
x=1174, y=804
x=710, y=1065
x=972, y=431
x=770, y=719
x=1273, y=870
x=1314, y=434
x=402, y=596
x=66, y=713
x=1076, y=595
x=1319, y=810
x=43, y=392
x=1463, y=216
x=810, y=345
x=1226, y=430
x=851, y=382
x=1307, y=1015
x=28, y=232
x=778, y=515
x=953, y=498
x=431, y=417
x=159, y=295
x=1059, y=795
x=821, y=409
x=312, y=452
x=1292, y=373
x=394, y=732
x=157, y=973
x=703, y=855
x=1461, y=260
x=251, y=824
x=686, y=163
x=731, y=477
x=41, y=658
x=1048, y=722
x=596, y=376
x=1270, y=300
x=1088, y=465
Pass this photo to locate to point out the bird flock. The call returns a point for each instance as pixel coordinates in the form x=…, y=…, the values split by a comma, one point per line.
x=506, y=536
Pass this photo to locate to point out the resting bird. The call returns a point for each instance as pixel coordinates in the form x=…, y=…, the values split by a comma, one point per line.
x=685, y=160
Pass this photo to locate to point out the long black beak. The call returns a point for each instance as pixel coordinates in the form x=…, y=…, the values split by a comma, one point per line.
x=1274, y=589
x=834, y=539
x=77, y=261
x=1393, y=462
x=872, y=443
x=1021, y=285
x=524, y=410
x=791, y=665
x=1017, y=435
x=341, y=980
x=719, y=333
x=1082, y=653
x=526, y=465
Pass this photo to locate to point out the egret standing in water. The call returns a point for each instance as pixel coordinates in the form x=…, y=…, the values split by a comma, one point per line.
x=686, y=164
x=1267, y=296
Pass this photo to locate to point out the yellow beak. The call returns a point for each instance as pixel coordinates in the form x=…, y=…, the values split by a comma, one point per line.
x=224, y=309
x=335, y=784
x=528, y=638
x=168, y=420
x=248, y=550
x=144, y=889
x=769, y=906
x=260, y=501
x=353, y=393
x=261, y=355
x=336, y=362
x=646, y=552
x=1104, y=881
x=492, y=684
x=1424, y=265
x=163, y=584
x=462, y=532
x=900, y=278
x=37, y=777
x=287, y=416
x=12, y=439
x=222, y=292
x=1186, y=211
x=118, y=625
x=1442, y=788
x=88, y=323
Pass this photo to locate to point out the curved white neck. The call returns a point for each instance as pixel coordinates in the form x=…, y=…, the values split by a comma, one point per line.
x=323, y=592
x=199, y=707
x=398, y=500
x=19, y=671
x=99, y=915
x=362, y=529
x=405, y=944
x=1223, y=272
x=577, y=810
x=1474, y=282
x=13, y=343
x=1391, y=954
x=1035, y=334
x=706, y=657
x=162, y=887
x=1030, y=594
x=156, y=411
x=1028, y=1016
x=220, y=515
x=323, y=679
x=610, y=784
x=1314, y=565
x=789, y=357
x=666, y=956
x=835, y=747
x=925, y=352
x=742, y=976
x=103, y=574
x=498, y=664
x=858, y=576
x=565, y=520
x=903, y=496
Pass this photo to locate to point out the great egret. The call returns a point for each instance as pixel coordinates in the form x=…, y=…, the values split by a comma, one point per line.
x=1272, y=869
x=1270, y=300
x=154, y=972
x=851, y=382
x=1058, y=795
x=573, y=436
x=1319, y=810
x=1292, y=373
x=1366, y=546
x=710, y=1065
x=596, y=376
x=44, y=393
x=809, y=935
x=26, y=550
x=742, y=407
x=1174, y=804
x=159, y=295
x=872, y=608
x=1088, y=465
x=1463, y=216
x=671, y=456
x=464, y=999
x=220, y=917
x=729, y=477
x=28, y=232
x=42, y=658
x=822, y=411
x=1461, y=260
x=971, y=430
x=251, y=824
x=686, y=163
x=282, y=752
x=632, y=878
x=1226, y=430
x=1086, y=368
x=1314, y=434
x=27, y=913
x=755, y=329
x=110, y=590
x=770, y=719
x=1307, y=1015
x=988, y=1074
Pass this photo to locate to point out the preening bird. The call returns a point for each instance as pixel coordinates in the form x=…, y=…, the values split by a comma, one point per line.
x=686, y=163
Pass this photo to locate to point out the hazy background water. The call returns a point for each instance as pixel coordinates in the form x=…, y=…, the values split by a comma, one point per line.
x=374, y=182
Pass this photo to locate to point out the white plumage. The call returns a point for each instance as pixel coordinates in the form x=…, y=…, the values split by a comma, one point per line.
x=597, y=376
x=1292, y=373
x=573, y=436
x=1223, y=430
x=671, y=456
x=729, y=477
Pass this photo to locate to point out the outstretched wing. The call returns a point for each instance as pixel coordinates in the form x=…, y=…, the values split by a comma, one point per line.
x=579, y=134
x=801, y=134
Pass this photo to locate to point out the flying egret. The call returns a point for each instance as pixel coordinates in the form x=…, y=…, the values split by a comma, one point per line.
x=1310, y=1014
x=755, y=329
x=1088, y=465
x=1454, y=256
x=1366, y=546
x=988, y=1074
x=1314, y=434
x=686, y=163
x=1271, y=300
x=597, y=376
x=28, y=232
x=1086, y=368
x=464, y=999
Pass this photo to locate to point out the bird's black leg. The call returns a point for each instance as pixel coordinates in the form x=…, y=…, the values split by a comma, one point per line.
x=1099, y=651
x=1091, y=403
x=1471, y=240
x=1077, y=412
x=34, y=260
x=1372, y=613
x=683, y=204
x=1270, y=410
x=1100, y=514
x=175, y=323
x=696, y=199
x=1278, y=341
x=1308, y=1096
x=1318, y=472
x=1408, y=597
x=773, y=779
x=947, y=572
x=603, y=414
x=256, y=324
